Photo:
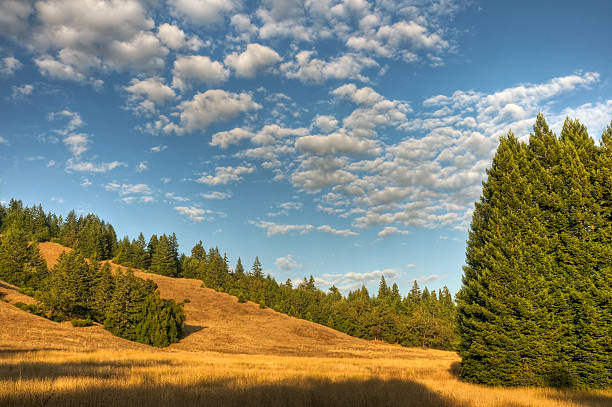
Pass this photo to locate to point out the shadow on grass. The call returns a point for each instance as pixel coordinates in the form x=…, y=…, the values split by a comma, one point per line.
x=6, y=352
x=584, y=399
x=226, y=392
x=191, y=329
x=86, y=369
x=455, y=369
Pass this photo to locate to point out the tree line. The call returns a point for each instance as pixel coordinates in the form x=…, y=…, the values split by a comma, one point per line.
x=421, y=318
x=536, y=303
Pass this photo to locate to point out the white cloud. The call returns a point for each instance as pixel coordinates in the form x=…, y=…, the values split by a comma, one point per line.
x=213, y=106
x=9, y=65
x=166, y=180
x=173, y=37
x=203, y=11
x=286, y=263
x=21, y=92
x=58, y=70
x=4, y=141
x=110, y=35
x=256, y=58
x=129, y=189
x=178, y=198
x=224, y=139
x=314, y=70
x=390, y=231
x=157, y=149
x=77, y=143
x=225, y=175
x=194, y=213
x=14, y=15
x=98, y=168
x=150, y=89
x=272, y=228
x=51, y=163
x=75, y=120
x=340, y=232
x=142, y=166
x=216, y=195
x=431, y=277
x=197, y=69
x=325, y=123
x=337, y=144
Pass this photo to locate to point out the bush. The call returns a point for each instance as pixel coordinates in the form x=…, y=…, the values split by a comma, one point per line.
x=81, y=322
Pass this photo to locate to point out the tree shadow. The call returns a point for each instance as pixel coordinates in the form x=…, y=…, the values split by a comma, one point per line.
x=583, y=398
x=87, y=369
x=455, y=369
x=302, y=392
x=30, y=350
x=191, y=329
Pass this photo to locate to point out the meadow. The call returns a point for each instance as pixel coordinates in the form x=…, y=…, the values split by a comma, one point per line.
x=233, y=355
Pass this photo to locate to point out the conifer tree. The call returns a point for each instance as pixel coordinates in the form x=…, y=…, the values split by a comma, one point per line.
x=534, y=308
x=256, y=269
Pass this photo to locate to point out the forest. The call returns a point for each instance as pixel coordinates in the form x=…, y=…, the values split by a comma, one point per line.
x=421, y=318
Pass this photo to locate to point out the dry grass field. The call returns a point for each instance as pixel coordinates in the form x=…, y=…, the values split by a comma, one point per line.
x=233, y=355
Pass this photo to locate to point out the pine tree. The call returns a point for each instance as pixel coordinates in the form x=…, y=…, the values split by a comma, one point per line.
x=533, y=309
x=239, y=270
x=256, y=269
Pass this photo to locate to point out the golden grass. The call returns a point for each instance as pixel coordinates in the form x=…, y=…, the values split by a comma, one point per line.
x=235, y=355
x=176, y=378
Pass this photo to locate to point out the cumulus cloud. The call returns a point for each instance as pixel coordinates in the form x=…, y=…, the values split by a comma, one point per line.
x=157, y=149
x=216, y=195
x=390, y=231
x=77, y=143
x=225, y=175
x=428, y=278
x=194, y=69
x=194, y=213
x=152, y=89
x=213, y=106
x=111, y=35
x=337, y=144
x=256, y=58
x=21, y=92
x=175, y=38
x=272, y=228
x=313, y=70
x=9, y=65
x=129, y=189
x=203, y=11
x=224, y=139
x=340, y=232
x=325, y=123
x=14, y=15
x=286, y=263
x=98, y=168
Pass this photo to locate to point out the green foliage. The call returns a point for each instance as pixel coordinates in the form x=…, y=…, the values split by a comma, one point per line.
x=20, y=261
x=535, y=307
x=80, y=323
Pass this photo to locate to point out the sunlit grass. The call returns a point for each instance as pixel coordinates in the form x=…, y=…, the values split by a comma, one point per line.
x=154, y=378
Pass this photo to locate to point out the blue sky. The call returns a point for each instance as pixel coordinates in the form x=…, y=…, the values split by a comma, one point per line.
x=342, y=139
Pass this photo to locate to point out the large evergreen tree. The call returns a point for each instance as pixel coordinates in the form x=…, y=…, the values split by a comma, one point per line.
x=535, y=307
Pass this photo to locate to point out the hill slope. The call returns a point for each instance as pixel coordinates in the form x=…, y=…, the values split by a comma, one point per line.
x=214, y=322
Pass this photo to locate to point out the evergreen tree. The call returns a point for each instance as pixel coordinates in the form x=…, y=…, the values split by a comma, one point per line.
x=256, y=269
x=534, y=308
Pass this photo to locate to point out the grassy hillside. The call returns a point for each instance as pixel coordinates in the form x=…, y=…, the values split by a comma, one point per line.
x=233, y=355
